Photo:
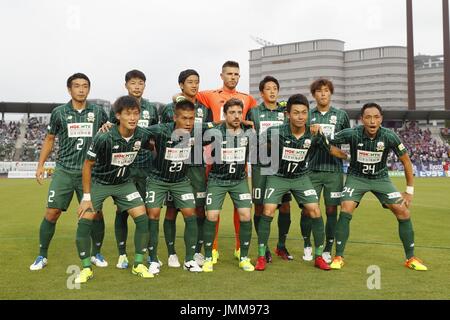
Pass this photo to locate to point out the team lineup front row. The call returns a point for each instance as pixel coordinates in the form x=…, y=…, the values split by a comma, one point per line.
x=198, y=154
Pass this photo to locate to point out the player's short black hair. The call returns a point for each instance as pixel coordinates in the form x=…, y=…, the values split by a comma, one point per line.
x=268, y=79
x=232, y=102
x=231, y=64
x=319, y=83
x=186, y=74
x=126, y=102
x=77, y=76
x=135, y=74
x=296, y=99
x=371, y=105
x=184, y=105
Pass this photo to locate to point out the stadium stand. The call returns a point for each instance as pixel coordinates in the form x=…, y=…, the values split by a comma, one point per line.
x=8, y=136
x=34, y=137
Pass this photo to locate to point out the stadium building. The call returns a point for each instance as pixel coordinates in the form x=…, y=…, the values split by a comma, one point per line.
x=359, y=76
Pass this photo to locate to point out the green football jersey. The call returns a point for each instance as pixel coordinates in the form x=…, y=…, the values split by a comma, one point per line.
x=202, y=115
x=264, y=118
x=113, y=155
x=368, y=156
x=332, y=122
x=230, y=153
x=294, y=155
x=148, y=117
x=173, y=150
x=75, y=130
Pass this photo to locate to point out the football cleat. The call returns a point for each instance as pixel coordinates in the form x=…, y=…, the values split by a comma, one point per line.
x=321, y=264
x=268, y=256
x=39, y=263
x=261, y=263
x=99, y=261
x=415, y=264
x=192, y=266
x=246, y=265
x=141, y=271
x=208, y=265
x=173, y=261
x=215, y=256
x=337, y=263
x=85, y=275
x=154, y=268
x=326, y=256
x=283, y=253
x=307, y=254
x=199, y=258
x=122, y=263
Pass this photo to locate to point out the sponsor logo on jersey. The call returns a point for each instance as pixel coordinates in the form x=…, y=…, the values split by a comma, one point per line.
x=121, y=159
x=177, y=154
x=307, y=143
x=91, y=154
x=198, y=120
x=295, y=155
x=134, y=195
x=264, y=125
x=233, y=154
x=145, y=114
x=187, y=196
x=201, y=195
x=143, y=123
x=380, y=146
x=333, y=119
x=91, y=117
x=76, y=130
x=310, y=192
x=244, y=142
x=401, y=147
x=137, y=146
x=280, y=116
x=363, y=156
x=335, y=195
x=245, y=196
x=394, y=195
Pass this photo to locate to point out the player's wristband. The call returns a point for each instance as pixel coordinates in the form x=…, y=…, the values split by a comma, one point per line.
x=410, y=190
x=86, y=197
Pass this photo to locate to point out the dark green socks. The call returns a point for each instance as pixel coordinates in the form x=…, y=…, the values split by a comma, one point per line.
x=342, y=232
x=46, y=232
x=121, y=231
x=406, y=232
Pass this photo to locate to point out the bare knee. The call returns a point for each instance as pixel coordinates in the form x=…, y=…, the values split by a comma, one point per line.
x=52, y=214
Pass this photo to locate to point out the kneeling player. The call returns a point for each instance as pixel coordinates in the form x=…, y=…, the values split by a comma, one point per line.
x=107, y=166
x=370, y=145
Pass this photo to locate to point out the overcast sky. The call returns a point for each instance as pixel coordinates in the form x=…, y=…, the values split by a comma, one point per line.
x=43, y=42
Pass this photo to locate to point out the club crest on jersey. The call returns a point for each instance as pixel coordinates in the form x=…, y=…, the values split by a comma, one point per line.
x=137, y=146
x=90, y=117
x=307, y=143
x=244, y=141
x=280, y=116
x=200, y=112
x=333, y=119
x=191, y=142
x=380, y=146
x=145, y=114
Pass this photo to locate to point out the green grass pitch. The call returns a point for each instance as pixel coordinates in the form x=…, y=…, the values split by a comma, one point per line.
x=373, y=241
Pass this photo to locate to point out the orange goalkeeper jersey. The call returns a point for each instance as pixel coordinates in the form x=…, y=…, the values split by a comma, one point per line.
x=215, y=99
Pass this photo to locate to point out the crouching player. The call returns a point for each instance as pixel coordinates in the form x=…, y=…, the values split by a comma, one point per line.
x=106, y=173
x=291, y=146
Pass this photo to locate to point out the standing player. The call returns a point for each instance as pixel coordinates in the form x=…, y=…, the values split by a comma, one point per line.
x=140, y=169
x=292, y=146
x=188, y=81
x=370, y=145
x=173, y=145
x=228, y=175
x=327, y=173
x=269, y=113
x=106, y=174
x=215, y=99
x=74, y=123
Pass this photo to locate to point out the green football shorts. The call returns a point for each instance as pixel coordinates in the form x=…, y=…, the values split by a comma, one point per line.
x=125, y=195
x=301, y=188
x=239, y=193
x=382, y=188
x=64, y=183
x=259, y=187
